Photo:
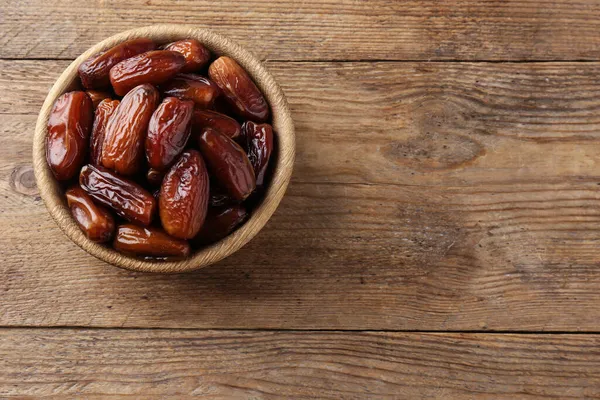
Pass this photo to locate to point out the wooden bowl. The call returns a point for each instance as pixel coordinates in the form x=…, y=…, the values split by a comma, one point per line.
x=54, y=197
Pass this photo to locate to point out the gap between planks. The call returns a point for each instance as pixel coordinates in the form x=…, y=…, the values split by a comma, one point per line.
x=292, y=330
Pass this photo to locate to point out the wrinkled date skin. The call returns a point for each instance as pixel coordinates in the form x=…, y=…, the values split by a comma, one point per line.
x=199, y=89
x=154, y=67
x=168, y=132
x=241, y=92
x=153, y=242
x=96, y=222
x=219, y=223
x=228, y=162
x=183, y=199
x=97, y=96
x=155, y=177
x=123, y=147
x=125, y=197
x=196, y=55
x=69, y=129
x=103, y=112
x=217, y=121
x=94, y=72
x=259, y=144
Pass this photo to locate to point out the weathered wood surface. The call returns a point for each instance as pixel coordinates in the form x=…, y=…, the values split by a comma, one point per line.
x=437, y=196
x=281, y=365
x=322, y=30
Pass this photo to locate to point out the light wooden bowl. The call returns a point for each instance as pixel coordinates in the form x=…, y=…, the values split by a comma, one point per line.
x=54, y=197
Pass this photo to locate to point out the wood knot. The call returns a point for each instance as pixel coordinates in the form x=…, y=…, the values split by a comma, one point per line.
x=22, y=180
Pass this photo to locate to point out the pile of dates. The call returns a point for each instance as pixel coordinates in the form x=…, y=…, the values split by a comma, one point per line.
x=166, y=149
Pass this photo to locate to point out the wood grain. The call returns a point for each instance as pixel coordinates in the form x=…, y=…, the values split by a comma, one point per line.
x=320, y=29
x=488, y=222
x=281, y=365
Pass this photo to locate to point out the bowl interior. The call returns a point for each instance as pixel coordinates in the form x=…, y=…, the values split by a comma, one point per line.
x=53, y=195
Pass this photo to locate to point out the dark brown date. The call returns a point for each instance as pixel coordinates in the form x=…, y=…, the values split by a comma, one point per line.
x=154, y=67
x=228, y=162
x=103, y=112
x=69, y=127
x=125, y=197
x=95, y=221
x=168, y=132
x=97, y=96
x=219, y=223
x=196, y=55
x=217, y=121
x=259, y=144
x=183, y=199
x=153, y=242
x=94, y=72
x=241, y=92
x=219, y=197
x=123, y=147
x=199, y=89
x=155, y=177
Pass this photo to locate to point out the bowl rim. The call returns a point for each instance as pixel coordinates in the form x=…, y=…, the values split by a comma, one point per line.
x=53, y=196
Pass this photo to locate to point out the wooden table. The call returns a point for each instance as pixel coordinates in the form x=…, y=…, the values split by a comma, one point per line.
x=440, y=238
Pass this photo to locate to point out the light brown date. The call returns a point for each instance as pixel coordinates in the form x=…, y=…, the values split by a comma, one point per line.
x=154, y=67
x=94, y=72
x=123, y=147
x=196, y=55
x=97, y=96
x=217, y=121
x=103, y=112
x=183, y=199
x=241, y=92
x=168, y=132
x=199, y=89
x=69, y=127
x=219, y=223
x=259, y=144
x=228, y=162
x=153, y=242
x=95, y=221
x=125, y=197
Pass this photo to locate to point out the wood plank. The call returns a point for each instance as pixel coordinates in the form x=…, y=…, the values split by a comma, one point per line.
x=507, y=241
x=281, y=365
x=348, y=256
x=416, y=123
x=322, y=29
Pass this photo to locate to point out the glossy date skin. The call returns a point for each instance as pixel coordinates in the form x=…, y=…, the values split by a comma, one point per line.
x=199, y=89
x=128, y=199
x=154, y=67
x=228, y=162
x=123, y=147
x=103, y=112
x=259, y=144
x=219, y=223
x=95, y=221
x=152, y=242
x=240, y=91
x=94, y=72
x=183, y=199
x=220, y=122
x=69, y=127
x=168, y=132
x=97, y=96
x=196, y=55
